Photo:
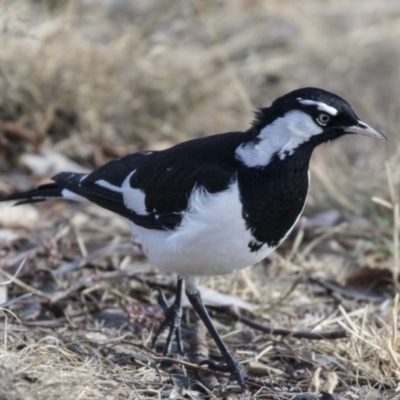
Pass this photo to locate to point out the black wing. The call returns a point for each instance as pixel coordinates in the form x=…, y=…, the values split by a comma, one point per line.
x=152, y=189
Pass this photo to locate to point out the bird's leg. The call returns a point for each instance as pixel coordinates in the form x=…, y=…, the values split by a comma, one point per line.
x=173, y=316
x=232, y=364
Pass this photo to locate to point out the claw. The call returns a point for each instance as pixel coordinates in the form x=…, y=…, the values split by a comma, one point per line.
x=216, y=366
x=161, y=300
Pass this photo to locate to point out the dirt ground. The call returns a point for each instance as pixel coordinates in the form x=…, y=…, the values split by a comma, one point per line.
x=85, y=81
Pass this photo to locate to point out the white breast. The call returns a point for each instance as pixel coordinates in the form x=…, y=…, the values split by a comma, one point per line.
x=211, y=240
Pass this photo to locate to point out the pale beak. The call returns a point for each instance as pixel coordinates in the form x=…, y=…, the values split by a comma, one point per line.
x=364, y=129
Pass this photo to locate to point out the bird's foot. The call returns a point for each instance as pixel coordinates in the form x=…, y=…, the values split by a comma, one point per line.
x=173, y=317
x=216, y=366
x=232, y=367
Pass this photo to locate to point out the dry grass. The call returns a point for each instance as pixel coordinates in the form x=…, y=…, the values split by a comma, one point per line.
x=94, y=80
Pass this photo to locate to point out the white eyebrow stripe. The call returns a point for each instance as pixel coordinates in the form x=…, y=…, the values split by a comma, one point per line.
x=321, y=106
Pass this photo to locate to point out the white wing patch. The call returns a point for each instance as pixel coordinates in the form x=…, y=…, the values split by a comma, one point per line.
x=281, y=137
x=320, y=105
x=83, y=177
x=108, y=185
x=67, y=194
x=134, y=199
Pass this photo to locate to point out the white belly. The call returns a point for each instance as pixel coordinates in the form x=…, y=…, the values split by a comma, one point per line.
x=211, y=240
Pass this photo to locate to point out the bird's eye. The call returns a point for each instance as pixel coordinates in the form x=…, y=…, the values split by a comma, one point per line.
x=323, y=119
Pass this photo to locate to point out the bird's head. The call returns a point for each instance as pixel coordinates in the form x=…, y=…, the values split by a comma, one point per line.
x=322, y=113
x=303, y=119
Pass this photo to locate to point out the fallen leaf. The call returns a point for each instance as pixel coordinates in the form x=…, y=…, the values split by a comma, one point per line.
x=331, y=381
x=23, y=216
x=256, y=368
x=373, y=394
x=315, y=382
x=324, y=219
x=350, y=292
x=7, y=235
x=96, y=337
x=3, y=294
x=213, y=298
x=49, y=163
x=372, y=278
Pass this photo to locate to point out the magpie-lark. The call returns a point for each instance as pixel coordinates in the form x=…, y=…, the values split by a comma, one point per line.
x=217, y=204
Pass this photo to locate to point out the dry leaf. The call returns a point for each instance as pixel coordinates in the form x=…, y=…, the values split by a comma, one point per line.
x=213, y=298
x=96, y=337
x=331, y=381
x=7, y=235
x=49, y=163
x=314, y=384
x=24, y=216
x=372, y=278
x=324, y=219
x=3, y=294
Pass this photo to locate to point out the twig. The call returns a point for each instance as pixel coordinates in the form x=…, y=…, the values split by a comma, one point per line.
x=199, y=352
x=234, y=313
x=353, y=293
x=55, y=323
x=14, y=279
x=4, y=283
x=187, y=364
x=17, y=299
x=285, y=295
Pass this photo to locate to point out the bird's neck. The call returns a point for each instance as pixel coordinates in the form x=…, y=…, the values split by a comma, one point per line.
x=293, y=133
x=275, y=193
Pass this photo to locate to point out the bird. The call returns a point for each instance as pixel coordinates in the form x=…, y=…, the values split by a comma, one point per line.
x=215, y=204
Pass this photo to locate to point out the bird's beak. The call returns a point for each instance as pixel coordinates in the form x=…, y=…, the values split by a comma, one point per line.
x=364, y=129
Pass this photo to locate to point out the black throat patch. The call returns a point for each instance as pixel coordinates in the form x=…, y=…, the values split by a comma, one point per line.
x=273, y=197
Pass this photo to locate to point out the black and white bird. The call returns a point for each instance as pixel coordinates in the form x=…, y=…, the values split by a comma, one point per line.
x=217, y=204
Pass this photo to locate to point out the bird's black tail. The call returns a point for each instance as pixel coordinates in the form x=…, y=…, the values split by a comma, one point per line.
x=47, y=191
x=41, y=193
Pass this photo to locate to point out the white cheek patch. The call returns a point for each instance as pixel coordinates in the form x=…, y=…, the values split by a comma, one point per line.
x=302, y=127
x=320, y=105
x=281, y=137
